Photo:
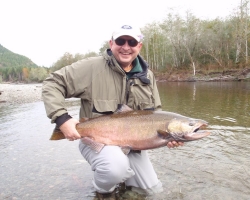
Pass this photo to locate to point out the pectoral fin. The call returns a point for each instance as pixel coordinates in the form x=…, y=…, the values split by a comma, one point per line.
x=163, y=134
x=125, y=150
x=97, y=147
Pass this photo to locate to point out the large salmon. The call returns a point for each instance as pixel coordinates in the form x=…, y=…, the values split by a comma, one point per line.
x=137, y=130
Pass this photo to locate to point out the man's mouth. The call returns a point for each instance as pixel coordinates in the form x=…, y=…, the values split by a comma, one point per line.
x=123, y=53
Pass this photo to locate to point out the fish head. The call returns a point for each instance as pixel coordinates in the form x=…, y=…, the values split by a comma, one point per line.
x=186, y=129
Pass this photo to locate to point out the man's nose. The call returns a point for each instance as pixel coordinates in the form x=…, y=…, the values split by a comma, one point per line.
x=126, y=45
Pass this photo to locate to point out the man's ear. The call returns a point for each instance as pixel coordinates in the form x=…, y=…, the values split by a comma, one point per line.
x=140, y=45
x=110, y=44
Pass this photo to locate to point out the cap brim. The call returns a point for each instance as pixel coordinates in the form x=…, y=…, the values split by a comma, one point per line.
x=133, y=36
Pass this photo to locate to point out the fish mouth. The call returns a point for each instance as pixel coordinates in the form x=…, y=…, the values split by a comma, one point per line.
x=197, y=133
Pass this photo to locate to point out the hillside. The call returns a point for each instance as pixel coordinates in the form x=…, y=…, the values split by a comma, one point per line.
x=10, y=59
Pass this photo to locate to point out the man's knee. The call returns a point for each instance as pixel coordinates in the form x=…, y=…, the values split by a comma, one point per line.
x=113, y=171
x=110, y=166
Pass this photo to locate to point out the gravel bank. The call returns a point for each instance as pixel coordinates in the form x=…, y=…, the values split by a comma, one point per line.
x=20, y=93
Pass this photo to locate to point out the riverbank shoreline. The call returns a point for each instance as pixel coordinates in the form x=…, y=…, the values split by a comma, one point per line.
x=15, y=93
x=213, y=76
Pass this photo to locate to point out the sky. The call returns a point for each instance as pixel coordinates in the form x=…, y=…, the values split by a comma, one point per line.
x=43, y=30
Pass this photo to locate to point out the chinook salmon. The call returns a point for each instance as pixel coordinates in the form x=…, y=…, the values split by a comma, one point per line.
x=137, y=130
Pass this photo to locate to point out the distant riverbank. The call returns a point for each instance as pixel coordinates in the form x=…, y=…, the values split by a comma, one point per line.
x=187, y=76
x=13, y=93
x=25, y=93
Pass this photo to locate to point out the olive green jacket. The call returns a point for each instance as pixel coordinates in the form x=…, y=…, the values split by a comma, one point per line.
x=101, y=85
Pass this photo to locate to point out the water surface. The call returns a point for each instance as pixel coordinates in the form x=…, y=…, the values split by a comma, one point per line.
x=216, y=167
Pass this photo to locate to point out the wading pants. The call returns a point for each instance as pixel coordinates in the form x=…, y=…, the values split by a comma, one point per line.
x=111, y=167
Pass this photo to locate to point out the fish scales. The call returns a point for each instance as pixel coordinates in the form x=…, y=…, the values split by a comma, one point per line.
x=123, y=128
x=138, y=130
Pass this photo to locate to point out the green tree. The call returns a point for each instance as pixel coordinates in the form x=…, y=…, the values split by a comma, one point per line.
x=38, y=74
x=104, y=46
x=90, y=54
x=68, y=59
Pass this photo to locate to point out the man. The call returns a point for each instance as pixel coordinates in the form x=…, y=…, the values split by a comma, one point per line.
x=119, y=76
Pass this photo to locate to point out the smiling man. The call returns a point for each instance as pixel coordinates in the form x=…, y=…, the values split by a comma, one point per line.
x=126, y=45
x=119, y=76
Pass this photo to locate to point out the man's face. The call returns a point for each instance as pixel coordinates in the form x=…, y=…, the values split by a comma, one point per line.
x=125, y=54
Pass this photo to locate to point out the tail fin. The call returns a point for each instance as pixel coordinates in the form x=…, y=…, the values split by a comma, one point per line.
x=57, y=134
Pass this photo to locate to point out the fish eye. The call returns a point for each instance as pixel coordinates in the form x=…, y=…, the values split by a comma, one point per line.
x=191, y=123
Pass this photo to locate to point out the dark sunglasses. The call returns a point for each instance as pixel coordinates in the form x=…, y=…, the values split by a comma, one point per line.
x=121, y=42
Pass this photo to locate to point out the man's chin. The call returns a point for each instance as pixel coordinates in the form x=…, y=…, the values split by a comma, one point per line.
x=126, y=59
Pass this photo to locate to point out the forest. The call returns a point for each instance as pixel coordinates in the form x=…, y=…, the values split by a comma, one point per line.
x=189, y=42
x=175, y=43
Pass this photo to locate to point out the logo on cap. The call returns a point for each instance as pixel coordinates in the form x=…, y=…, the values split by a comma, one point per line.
x=126, y=27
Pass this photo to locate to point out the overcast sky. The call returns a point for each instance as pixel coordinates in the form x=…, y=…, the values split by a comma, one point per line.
x=43, y=30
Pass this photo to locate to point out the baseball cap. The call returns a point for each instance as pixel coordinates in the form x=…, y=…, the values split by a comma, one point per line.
x=132, y=31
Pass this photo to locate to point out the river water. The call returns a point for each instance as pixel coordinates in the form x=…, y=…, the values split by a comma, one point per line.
x=216, y=167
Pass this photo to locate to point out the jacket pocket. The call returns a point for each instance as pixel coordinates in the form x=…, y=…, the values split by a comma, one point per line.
x=145, y=104
x=105, y=106
x=140, y=95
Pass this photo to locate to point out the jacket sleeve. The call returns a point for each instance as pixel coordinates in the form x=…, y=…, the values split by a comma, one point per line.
x=70, y=81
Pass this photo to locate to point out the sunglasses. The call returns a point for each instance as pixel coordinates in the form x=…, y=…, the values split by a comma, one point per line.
x=131, y=43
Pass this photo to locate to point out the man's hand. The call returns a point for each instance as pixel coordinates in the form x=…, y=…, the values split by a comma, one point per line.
x=69, y=129
x=174, y=144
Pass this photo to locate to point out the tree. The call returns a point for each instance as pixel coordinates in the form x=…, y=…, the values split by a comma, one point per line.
x=90, y=54
x=105, y=46
x=216, y=40
x=241, y=34
x=38, y=74
x=25, y=72
x=68, y=59
x=189, y=39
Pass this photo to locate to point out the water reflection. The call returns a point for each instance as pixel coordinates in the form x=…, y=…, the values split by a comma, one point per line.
x=217, y=167
x=211, y=101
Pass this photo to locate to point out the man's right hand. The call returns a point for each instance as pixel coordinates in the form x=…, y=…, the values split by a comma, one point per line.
x=69, y=129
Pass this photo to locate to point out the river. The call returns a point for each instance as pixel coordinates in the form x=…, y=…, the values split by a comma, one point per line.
x=216, y=167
